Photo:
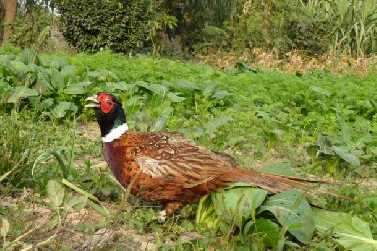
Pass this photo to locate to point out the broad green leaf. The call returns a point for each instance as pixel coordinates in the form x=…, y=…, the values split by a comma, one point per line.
x=238, y=204
x=213, y=125
x=270, y=229
x=282, y=168
x=21, y=92
x=161, y=121
x=59, y=63
x=57, y=79
x=235, y=205
x=327, y=221
x=5, y=60
x=134, y=101
x=47, y=103
x=206, y=213
x=77, y=89
x=320, y=91
x=350, y=158
x=220, y=94
x=292, y=210
x=324, y=145
x=349, y=231
x=5, y=89
x=121, y=86
x=55, y=193
x=62, y=108
x=19, y=67
x=76, y=202
x=154, y=88
x=94, y=74
x=103, y=76
x=209, y=89
x=42, y=84
x=68, y=72
x=175, y=98
x=185, y=85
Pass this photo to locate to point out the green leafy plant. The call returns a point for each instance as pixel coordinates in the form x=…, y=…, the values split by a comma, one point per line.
x=315, y=123
x=243, y=207
x=349, y=231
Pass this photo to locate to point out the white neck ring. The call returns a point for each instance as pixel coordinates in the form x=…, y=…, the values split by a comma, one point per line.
x=115, y=133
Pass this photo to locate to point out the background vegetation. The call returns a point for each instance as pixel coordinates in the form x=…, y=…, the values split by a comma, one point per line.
x=316, y=123
x=56, y=192
x=189, y=27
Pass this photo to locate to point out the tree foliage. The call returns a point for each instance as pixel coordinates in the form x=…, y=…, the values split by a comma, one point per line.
x=194, y=15
x=32, y=27
x=88, y=25
x=171, y=27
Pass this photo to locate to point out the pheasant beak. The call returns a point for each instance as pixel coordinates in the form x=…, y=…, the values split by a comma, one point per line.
x=92, y=102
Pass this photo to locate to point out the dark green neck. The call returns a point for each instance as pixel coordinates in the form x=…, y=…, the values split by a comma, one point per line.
x=109, y=121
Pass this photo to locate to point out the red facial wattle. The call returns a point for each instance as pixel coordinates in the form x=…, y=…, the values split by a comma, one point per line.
x=106, y=102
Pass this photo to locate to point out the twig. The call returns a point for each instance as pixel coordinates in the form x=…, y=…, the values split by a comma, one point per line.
x=19, y=238
x=3, y=177
x=39, y=244
x=129, y=187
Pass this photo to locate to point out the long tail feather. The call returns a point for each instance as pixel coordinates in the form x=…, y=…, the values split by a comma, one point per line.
x=271, y=182
x=276, y=183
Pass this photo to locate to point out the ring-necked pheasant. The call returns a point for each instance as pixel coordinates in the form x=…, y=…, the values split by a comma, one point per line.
x=167, y=168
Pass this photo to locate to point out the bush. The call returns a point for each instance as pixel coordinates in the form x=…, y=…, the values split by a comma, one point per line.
x=121, y=26
x=281, y=25
x=196, y=18
x=32, y=27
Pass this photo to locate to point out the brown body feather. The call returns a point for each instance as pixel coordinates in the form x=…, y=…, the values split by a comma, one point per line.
x=167, y=168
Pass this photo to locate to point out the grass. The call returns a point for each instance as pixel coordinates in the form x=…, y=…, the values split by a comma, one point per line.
x=316, y=123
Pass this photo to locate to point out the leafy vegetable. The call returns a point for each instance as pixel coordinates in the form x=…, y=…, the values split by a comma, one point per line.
x=55, y=193
x=21, y=92
x=349, y=231
x=270, y=231
x=233, y=206
x=62, y=108
x=292, y=210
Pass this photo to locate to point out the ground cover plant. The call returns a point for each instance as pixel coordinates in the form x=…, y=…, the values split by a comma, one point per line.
x=181, y=27
x=55, y=187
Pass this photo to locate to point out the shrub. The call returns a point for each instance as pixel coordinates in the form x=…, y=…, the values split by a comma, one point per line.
x=279, y=25
x=194, y=18
x=315, y=27
x=121, y=26
x=32, y=27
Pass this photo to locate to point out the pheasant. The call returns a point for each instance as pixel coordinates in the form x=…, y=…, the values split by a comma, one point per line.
x=165, y=167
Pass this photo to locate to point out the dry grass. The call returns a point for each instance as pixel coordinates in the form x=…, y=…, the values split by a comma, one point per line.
x=37, y=233
x=292, y=62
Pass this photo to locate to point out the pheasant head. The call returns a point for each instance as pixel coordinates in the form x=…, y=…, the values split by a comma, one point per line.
x=110, y=115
